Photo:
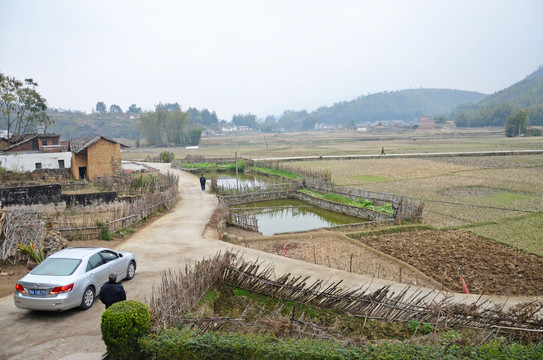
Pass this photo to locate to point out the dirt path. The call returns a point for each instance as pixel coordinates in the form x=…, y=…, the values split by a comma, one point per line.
x=173, y=240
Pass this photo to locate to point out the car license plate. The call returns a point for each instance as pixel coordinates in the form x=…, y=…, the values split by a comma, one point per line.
x=36, y=292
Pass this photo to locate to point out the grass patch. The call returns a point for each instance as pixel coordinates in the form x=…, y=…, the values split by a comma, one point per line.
x=363, y=203
x=275, y=172
x=390, y=230
x=208, y=167
x=523, y=232
x=506, y=198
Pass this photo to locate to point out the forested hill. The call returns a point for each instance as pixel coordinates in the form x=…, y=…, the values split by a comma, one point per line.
x=404, y=105
x=525, y=93
x=495, y=109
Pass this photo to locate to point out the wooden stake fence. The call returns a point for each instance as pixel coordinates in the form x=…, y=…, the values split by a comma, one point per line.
x=247, y=222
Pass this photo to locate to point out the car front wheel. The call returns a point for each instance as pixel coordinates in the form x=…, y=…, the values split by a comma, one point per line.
x=88, y=298
x=131, y=271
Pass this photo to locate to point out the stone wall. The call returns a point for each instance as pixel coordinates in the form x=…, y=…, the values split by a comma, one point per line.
x=404, y=207
x=51, y=194
x=254, y=197
x=31, y=195
x=89, y=199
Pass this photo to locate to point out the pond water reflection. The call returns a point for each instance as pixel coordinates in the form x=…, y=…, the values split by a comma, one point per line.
x=292, y=215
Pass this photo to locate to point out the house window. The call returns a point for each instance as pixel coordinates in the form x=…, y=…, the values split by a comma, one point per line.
x=44, y=143
x=55, y=142
x=61, y=164
x=35, y=144
x=38, y=165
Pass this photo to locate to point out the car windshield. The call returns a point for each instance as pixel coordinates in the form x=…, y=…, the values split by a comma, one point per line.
x=56, y=267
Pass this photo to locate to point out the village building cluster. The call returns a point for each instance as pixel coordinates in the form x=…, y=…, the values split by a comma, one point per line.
x=86, y=157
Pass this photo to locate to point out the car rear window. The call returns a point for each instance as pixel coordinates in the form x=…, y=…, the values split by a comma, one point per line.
x=56, y=267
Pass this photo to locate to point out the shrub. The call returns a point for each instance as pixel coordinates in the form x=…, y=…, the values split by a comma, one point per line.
x=123, y=324
x=189, y=344
x=105, y=234
x=167, y=156
x=30, y=250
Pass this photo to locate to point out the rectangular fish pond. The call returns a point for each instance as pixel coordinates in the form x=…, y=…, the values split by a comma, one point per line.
x=291, y=215
x=244, y=181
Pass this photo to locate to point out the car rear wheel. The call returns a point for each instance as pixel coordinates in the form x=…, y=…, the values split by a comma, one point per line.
x=131, y=270
x=88, y=298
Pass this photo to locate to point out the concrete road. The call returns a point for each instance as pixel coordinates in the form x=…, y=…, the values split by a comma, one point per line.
x=174, y=240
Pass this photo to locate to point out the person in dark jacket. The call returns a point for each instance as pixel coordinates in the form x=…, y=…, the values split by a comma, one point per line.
x=112, y=291
x=203, y=182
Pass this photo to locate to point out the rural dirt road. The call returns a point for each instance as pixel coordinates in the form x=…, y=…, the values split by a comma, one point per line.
x=174, y=240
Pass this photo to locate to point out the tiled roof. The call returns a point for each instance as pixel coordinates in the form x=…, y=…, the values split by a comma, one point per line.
x=29, y=137
x=79, y=144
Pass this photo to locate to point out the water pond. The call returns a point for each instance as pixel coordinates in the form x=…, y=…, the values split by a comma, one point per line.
x=292, y=215
x=228, y=180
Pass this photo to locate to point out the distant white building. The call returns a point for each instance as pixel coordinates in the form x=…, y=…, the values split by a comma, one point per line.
x=361, y=128
x=235, y=128
x=21, y=162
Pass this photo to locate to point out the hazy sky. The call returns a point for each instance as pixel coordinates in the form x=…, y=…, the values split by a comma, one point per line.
x=264, y=57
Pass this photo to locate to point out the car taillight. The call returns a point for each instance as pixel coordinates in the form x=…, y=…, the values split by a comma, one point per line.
x=62, y=289
x=20, y=288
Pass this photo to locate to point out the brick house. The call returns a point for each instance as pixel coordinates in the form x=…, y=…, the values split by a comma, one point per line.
x=39, y=142
x=95, y=156
x=32, y=152
x=426, y=123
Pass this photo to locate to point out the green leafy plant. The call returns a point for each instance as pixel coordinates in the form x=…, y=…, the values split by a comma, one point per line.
x=105, y=234
x=126, y=231
x=425, y=327
x=364, y=203
x=122, y=325
x=182, y=343
x=413, y=325
x=30, y=250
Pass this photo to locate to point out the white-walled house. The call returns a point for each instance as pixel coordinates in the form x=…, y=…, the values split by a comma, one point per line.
x=30, y=161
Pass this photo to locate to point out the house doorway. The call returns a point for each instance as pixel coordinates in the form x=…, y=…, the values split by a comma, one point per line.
x=82, y=172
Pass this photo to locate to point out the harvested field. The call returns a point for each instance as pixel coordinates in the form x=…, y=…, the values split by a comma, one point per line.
x=334, y=250
x=488, y=267
x=442, y=256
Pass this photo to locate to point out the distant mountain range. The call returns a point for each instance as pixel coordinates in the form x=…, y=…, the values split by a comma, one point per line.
x=494, y=109
x=525, y=93
x=466, y=108
x=407, y=105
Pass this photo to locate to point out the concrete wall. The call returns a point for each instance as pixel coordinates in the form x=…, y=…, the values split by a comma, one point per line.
x=21, y=162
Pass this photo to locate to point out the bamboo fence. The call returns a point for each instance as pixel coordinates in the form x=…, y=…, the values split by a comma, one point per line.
x=29, y=227
x=247, y=222
x=520, y=322
x=180, y=292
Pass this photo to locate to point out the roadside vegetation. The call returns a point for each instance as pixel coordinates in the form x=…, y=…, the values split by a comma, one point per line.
x=195, y=314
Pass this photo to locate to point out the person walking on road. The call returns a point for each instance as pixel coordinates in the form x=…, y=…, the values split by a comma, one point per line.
x=382, y=151
x=203, y=182
x=112, y=291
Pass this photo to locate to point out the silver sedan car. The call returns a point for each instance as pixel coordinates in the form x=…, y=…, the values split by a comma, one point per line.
x=72, y=278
